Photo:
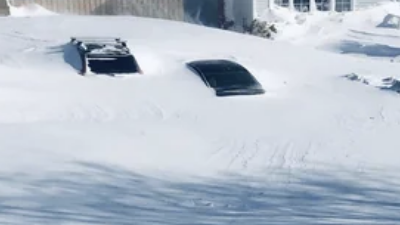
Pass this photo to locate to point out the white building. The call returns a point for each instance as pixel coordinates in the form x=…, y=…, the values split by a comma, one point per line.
x=244, y=11
x=322, y=5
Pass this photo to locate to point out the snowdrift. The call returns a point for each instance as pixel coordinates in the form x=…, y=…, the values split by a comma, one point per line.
x=29, y=10
x=168, y=103
x=387, y=83
x=321, y=29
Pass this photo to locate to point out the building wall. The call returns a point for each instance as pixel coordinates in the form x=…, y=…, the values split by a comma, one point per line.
x=241, y=12
x=4, y=8
x=206, y=12
x=171, y=9
x=202, y=12
x=244, y=11
x=260, y=6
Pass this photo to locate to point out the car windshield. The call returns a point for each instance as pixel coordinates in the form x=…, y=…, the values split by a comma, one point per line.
x=230, y=78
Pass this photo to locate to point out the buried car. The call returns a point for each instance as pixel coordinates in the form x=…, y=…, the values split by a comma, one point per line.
x=105, y=56
x=227, y=78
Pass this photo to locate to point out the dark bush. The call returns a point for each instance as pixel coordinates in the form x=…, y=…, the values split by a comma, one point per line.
x=261, y=29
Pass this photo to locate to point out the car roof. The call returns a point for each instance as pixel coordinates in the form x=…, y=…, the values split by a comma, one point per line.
x=216, y=66
x=102, y=40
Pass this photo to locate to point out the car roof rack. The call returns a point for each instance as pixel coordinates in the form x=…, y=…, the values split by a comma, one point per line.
x=102, y=40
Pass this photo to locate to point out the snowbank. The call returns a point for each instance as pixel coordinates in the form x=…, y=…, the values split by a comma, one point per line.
x=371, y=16
x=30, y=10
x=318, y=28
x=386, y=83
x=292, y=24
x=279, y=15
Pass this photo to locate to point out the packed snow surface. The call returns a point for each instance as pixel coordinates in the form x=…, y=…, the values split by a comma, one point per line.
x=161, y=148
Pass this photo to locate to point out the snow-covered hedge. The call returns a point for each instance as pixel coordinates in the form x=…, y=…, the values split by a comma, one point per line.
x=261, y=29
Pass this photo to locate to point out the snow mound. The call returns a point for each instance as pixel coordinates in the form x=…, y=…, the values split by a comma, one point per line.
x=30, y=10
x=279, y=15
x=293, y=25
x=317, y=27
x=388, y=83
x=371, y=16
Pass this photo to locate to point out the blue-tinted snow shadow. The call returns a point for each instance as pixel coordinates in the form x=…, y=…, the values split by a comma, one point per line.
x=372, y=50
x=69, y=54
x=72, y=57
x=104, y=195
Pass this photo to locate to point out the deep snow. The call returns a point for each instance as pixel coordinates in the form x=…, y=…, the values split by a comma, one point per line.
x=161, y=148
x=371, y=32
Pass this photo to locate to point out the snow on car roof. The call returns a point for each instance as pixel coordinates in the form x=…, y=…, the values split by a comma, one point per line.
x=110, y=49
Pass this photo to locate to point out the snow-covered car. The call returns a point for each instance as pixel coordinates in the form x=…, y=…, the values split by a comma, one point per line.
x=105, y=56
x=226, y=77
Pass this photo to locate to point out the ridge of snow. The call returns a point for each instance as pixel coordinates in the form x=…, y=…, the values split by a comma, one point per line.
x=29, y=10
x=319, y=28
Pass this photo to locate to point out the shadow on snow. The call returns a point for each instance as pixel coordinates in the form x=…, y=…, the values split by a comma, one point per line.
x=372, y=50
x=104, y=195
x=70, y=55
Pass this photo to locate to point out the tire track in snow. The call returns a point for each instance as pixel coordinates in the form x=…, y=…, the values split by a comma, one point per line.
x=256, y=153
x=238, y=153
x=156, y=110
x=223, y=148
x=289, y=155
x=252, y=155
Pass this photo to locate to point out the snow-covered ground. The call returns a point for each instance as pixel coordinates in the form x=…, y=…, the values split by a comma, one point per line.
x=161, y=148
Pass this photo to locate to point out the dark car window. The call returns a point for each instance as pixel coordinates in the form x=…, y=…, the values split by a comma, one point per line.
x=220, y=67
